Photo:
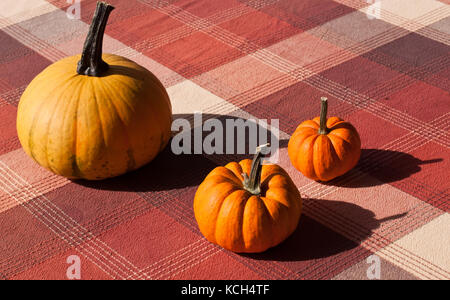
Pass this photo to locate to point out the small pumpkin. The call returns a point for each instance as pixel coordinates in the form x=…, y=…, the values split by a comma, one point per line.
x=247, y=207
x=94, y=116
x=323, y=149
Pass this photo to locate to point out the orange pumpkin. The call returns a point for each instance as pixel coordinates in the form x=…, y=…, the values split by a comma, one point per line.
x=92, y=116
x=246, y=206
x=323, y=149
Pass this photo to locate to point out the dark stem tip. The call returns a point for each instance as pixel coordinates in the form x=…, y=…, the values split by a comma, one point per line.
x=91, y=63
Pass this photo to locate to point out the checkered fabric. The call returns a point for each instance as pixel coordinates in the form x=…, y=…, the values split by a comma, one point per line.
x=384, y=66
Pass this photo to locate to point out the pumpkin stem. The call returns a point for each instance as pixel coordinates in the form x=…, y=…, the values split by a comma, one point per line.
x=253, y=183
x=323, y=115
x=91, y=63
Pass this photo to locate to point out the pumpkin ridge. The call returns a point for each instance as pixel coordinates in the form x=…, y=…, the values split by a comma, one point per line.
x=263, y=215
x=102, y=125
x=146, y=78
x=351, y=136
x=207, y=183
x=333, y=154
x=315, y=160
x=59, y=102
x=274, y=230
x=291, y=186
x=75, y=170
x=341, y=160
x=295, y=143
x=295, y=205
x=30, y=136
x=33, y=123
x=234, y=178
x=316, y=121
x=244, y=192
x=220, y=178
x=331, y=134
x=273, y=199
x=308, y=131
x=310, y=140
x=110, y=87
x=305, y=131
x=117, y=80
x=342, y=125
x=218, y=171
x=265, y=182
x=236, y=173
x=198, y=202
x=131, y=159
x=131, y=164
x=313, y=124
x=334, y=121
x=154, y=102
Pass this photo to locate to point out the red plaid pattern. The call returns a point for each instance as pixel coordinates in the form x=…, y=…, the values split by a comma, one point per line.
x=269, y=59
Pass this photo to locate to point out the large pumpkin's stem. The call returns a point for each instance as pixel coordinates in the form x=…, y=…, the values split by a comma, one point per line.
x=323, y=115
x=253, y=183
x=91, y=62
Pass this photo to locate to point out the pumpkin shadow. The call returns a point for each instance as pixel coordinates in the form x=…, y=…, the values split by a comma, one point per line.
x=170, y=171
x=166, y=172
x=313, y=240
x=386, y=166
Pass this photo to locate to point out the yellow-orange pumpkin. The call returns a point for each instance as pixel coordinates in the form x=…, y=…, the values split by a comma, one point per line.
x=94, y=116
x=246, y=206
x=323, y=149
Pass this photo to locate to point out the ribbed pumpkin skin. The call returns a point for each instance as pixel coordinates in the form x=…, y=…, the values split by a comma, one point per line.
x=94, y=127
x=239, y=221
x=324, y=156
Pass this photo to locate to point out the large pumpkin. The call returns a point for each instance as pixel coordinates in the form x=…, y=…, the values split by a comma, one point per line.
x=92, y=116
x=247, y=206
x=323, y=149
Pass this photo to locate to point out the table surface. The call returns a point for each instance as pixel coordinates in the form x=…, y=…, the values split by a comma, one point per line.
x=384, y=67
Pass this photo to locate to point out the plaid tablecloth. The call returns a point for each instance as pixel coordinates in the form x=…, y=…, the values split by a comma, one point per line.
x=384, y=66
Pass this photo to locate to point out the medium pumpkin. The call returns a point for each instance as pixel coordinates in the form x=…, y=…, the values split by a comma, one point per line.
x=247, y=213
x=323, y=149
x=94, y=117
